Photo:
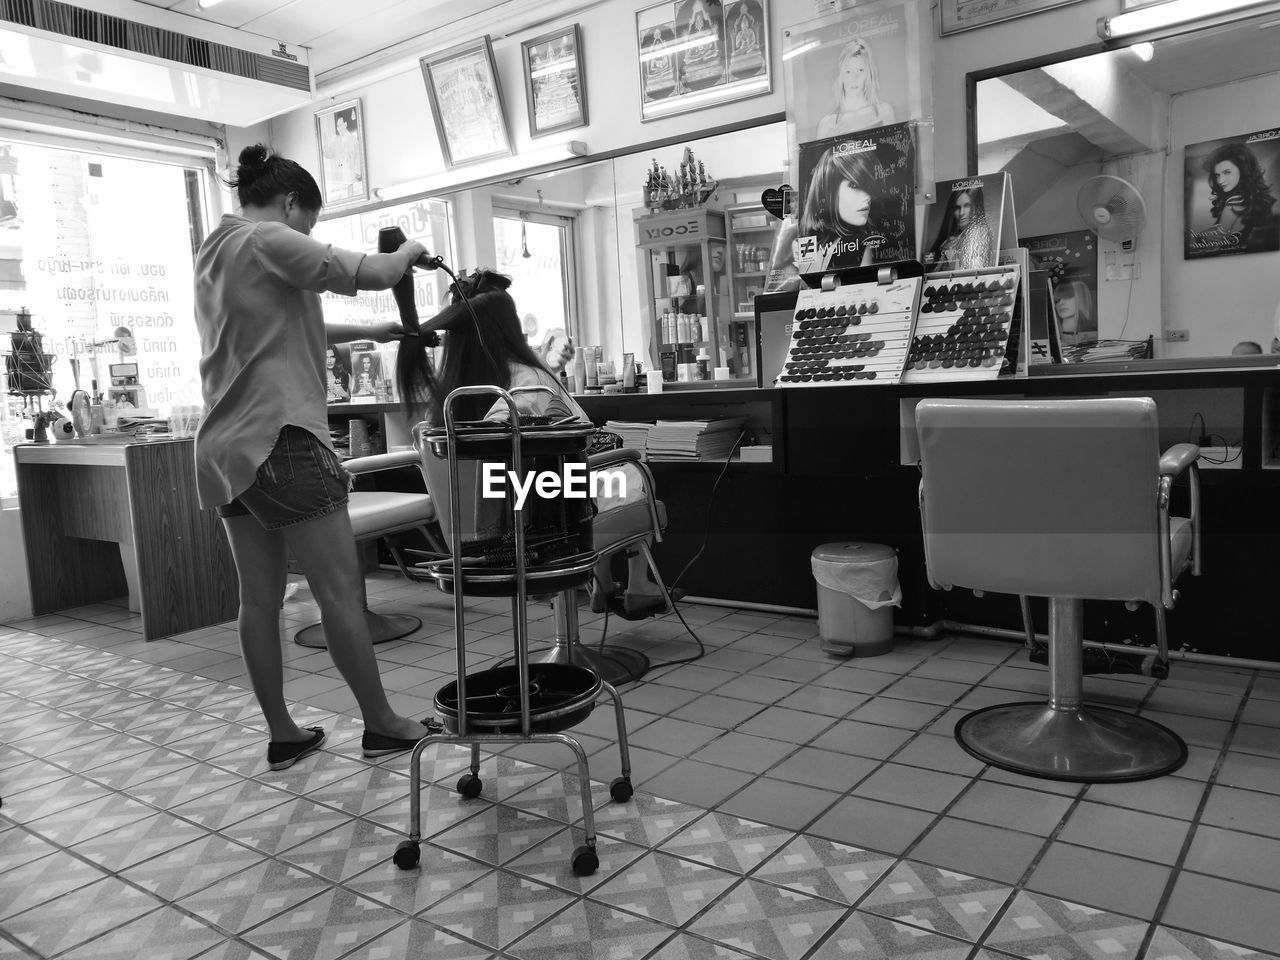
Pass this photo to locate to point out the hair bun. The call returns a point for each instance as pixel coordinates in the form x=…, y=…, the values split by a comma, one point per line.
x=254, y=156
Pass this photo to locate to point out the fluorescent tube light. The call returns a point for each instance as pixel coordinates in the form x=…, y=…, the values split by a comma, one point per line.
x=206, y=4
x=476, y=172
x=1171, y=14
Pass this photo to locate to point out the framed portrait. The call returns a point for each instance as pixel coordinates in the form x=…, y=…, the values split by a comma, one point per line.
x=343, y=170
x=695, y=54
x=1229, y=195
x=466, y=102
x=555, y=83
x=959, y=15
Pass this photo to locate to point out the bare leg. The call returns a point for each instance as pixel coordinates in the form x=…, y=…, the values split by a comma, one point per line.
x=261, y=567
x=325, y=549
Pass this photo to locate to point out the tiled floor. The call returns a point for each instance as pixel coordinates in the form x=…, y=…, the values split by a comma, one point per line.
x=788, y=806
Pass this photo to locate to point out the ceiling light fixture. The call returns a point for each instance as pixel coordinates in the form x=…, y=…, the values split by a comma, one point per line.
x=529, y=162
x=206, y=4
x=1176, y=13
x=1144, y=51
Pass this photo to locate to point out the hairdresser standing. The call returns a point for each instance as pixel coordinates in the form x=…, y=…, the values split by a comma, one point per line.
x=263, y=455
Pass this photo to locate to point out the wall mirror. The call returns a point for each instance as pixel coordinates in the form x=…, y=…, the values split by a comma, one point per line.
x=1168, y=152
x=567, y=237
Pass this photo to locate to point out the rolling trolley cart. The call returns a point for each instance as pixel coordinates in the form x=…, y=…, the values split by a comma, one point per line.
x=544, y=548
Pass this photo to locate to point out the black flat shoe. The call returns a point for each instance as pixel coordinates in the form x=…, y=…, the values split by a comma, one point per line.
x=380, y=745
x=282, y=756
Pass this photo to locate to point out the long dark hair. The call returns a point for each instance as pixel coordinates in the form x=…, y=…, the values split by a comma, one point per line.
x=822, y=207
x=480, y=345
x=1252, y=188
x=264, y=175
x=950, y=220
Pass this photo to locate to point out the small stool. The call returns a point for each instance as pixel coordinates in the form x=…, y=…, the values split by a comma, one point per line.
x=847, y=626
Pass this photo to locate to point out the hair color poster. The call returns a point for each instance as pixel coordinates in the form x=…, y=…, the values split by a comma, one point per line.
x=1230, y=189
x=1070, y=260
x=962, y=227
x=857, y=199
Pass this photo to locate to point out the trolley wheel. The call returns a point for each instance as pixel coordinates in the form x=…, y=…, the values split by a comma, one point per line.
x=407, y=854
x=620, y=789
x=469, y=786
x=585, y=861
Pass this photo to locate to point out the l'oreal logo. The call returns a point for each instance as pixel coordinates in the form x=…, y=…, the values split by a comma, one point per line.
x=966, y=184
x=282, y=51
x=687, y=229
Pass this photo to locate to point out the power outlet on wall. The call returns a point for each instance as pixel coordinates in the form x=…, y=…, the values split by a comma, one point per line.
x=1179, y=335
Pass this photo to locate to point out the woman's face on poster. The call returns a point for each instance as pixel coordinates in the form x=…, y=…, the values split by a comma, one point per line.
x=963, y=209
x=1065, y=303
x=854, y=73
x=853, y=204
x=329, y=358
x=1226, y=175
x=366, y=363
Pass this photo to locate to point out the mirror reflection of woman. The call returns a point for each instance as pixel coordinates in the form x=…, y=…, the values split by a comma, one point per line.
x=1073, y=305
x=856, y=87
x=1240, y=200
x=840, y=202
x=964, y=241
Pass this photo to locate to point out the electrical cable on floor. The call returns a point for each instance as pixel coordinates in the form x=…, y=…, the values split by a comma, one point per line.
x=1193, y=437
x=702, y=650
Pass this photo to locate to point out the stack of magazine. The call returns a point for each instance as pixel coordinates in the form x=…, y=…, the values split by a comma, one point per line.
x=694, y=439
x=634, y=434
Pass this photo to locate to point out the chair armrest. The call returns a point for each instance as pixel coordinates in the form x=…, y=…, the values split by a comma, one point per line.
x=1177, y=458
x=609, y=458
x=381, y=461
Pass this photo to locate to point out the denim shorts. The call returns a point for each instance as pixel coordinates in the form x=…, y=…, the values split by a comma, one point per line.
x=300, y=480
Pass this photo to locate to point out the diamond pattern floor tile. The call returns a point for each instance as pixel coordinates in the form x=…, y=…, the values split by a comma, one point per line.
x=664, y=888
x=439, y=810
x=324, y=927
x=247, y=898
x=240, y=801
x=499, y=908
x=684, y=946
x=1039, y=926
x=139, y=841
x=192, y=867
x=80, y=915
x=644, y=819
x=551, y=861
x=588, y=931
x=354, y=847
x=498, y=834
x=865, y=936
x=1170, y=944
x=771, y=921
x=39, y=881
x=164, y=934
x=369, y=789
x=280, y=828
x=558, y=797
x=824, y=868
x=727, y=842
x=18, y=847
x=90, y=819
x=419, y=939
x=440, y=874
x=939, y=900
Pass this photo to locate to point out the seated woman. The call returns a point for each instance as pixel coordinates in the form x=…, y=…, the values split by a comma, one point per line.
x=486, y=344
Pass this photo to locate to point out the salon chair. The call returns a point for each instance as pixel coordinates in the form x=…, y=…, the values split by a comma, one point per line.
x=620, y=529
x=1068, y=500
x=380, y=515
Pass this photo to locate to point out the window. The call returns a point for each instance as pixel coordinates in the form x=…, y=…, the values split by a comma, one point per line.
x=536, y=250
x=99, y=250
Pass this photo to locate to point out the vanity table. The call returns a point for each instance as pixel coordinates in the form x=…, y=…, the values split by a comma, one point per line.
x=104, y=519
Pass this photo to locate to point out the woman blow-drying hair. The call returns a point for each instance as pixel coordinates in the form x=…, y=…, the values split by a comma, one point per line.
x=484, y=343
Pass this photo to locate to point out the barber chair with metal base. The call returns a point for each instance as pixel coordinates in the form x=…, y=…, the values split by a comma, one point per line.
x=380, y=514
x=624, y=527
x=1064, y=499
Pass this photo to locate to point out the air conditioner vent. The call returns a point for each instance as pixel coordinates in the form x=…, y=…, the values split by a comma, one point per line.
x=94, y=27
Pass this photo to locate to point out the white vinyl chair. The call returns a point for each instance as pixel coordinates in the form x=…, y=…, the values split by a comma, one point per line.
x=381, y=514
x=1063, y=499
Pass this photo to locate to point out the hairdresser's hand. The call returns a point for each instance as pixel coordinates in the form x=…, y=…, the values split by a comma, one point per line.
x=413, y=251
x=388, y=331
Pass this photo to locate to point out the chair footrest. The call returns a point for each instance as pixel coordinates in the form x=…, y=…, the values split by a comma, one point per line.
x=1096, y=661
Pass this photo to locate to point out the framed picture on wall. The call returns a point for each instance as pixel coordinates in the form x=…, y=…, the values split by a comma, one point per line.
x=958, y=15
x=555, y=83
x=701, y=53
x=340, y=138
x=466, y=102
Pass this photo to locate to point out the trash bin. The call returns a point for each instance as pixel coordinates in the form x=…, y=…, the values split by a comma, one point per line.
x=857, y=591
